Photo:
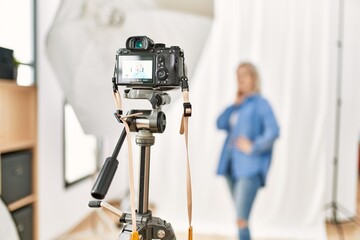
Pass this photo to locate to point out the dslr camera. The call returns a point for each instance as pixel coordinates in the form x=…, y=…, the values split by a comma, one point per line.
x=144, y=64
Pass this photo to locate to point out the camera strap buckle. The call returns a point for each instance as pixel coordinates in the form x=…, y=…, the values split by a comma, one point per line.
x=117, y=115
x=118, y=102
x=187, y=109
x=115, y=87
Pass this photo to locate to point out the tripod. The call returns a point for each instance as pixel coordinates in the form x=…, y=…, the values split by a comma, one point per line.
x=149, y=122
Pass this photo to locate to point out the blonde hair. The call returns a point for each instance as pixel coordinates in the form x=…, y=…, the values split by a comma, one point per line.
x=253, y=72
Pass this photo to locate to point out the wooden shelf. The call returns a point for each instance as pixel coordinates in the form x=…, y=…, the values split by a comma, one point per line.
x=10, y=146
x=11, y=81
x=18, y=131
x=22, y=202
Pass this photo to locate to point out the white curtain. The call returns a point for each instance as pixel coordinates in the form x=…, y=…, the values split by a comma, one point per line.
x=293, y=45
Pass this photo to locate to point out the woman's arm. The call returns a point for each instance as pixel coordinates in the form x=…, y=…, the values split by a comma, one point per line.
x=223, y=119
x=271, y=130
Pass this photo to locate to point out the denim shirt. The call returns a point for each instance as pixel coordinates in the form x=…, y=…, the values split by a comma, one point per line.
x=256, y=122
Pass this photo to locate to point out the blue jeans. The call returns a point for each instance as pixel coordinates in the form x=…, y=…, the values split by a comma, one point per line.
x=243, y=191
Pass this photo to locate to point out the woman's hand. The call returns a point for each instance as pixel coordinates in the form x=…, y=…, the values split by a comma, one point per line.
x=239, y=98
x=244, y=144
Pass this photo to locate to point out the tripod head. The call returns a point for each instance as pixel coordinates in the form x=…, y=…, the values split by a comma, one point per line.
x=156, y=98
x=152, y=120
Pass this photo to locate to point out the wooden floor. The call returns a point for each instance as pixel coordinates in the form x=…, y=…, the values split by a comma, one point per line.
x=93, y=228
x=348, y=230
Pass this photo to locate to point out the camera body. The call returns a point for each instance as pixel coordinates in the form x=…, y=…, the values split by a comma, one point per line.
x=144, y=64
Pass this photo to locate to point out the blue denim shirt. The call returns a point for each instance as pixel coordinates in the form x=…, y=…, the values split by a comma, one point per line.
x=255, y=121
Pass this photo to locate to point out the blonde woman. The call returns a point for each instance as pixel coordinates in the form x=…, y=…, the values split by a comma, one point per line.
x=251, y=131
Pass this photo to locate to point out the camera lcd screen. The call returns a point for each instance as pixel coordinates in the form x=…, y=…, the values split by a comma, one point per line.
x=135, y=69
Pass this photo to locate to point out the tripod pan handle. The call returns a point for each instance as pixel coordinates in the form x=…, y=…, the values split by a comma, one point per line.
x=105, y=178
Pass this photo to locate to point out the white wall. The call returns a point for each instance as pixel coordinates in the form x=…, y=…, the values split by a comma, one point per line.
x=59, y=208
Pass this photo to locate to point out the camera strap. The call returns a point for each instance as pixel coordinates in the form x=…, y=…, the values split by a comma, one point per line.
x=118, y=103
x=184, y=130
x=134, y=234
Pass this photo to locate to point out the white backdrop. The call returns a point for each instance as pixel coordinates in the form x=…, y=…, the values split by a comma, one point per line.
x=290, y=41
x=294, y=45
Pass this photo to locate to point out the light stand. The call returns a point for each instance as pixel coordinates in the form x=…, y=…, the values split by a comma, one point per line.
x=334, y=205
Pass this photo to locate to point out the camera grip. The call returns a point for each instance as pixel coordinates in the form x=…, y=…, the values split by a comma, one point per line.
x=105, y=177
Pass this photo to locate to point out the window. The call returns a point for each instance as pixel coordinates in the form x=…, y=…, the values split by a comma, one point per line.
x=17, y=24
x=80, y=149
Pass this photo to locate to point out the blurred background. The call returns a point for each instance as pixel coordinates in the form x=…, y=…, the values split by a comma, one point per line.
x=56, y=113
